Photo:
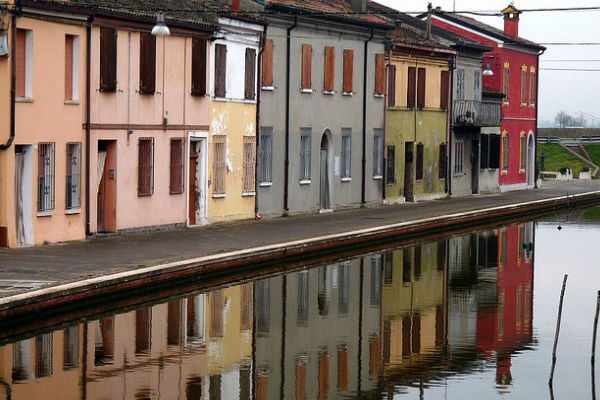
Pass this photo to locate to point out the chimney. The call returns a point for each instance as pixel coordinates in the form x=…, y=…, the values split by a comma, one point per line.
x=511, y=21
x=358, y=5
x=235, y=5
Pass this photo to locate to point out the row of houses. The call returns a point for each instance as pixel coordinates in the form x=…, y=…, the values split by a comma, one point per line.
x=136, y=115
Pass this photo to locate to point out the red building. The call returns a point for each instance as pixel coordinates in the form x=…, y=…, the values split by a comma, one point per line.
x=510, y=69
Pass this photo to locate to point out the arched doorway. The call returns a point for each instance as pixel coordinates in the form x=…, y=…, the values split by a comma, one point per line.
x=530, y=159
x=324, y=199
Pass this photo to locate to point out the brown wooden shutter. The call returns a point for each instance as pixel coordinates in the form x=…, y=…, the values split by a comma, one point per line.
x=379, y=73
x=68, y=67
x=419, y=173
x=329, y=68
x=442, y=161
x=176, y=166
x=250, y=75
x=198, y=67
x=220, y=70
x=267, y=64
x=392, y=86
x=20, y=63
x=444, y=90
x=306, y=82
x=348, y=70
x=147, y=63
x=412, y=87
x=108, y=59
x=421, y=88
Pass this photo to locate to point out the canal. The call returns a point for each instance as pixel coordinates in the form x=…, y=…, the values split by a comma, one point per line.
x=469, y=316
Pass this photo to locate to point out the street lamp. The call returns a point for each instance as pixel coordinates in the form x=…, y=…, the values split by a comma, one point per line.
x=161, y=28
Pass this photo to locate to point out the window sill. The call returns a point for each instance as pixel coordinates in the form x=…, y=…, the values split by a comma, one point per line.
x=305, y=182
x=218, y=196
x=265, y=184
x=377, y=177
x=308, y=91
x=378, y=96
x=522, y=171
x=72, y=102
x=46, y=213
x=504, y=172
x=267, y=88
x=248, y=194
x=348, y=94
x=73, y=211
x=24, y=100
x=329, y=92
x=347, y=179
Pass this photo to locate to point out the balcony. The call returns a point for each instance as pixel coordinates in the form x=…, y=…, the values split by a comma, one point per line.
x=476, y=113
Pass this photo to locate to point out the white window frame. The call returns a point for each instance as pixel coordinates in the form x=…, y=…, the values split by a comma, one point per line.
x=305, y=155
x=346, y=155
x=45, y=203
x=378, y=154
x=265, y=161
x=73, y=177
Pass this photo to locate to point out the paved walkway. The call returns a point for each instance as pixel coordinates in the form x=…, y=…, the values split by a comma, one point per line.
x=27, y=269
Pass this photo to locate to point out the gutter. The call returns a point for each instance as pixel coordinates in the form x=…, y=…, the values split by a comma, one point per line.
x=13, y=68
x=537, y=110
x=257, y=138
x=286, y=182
x=451, y=68
x=88, y=135
x=364, y=121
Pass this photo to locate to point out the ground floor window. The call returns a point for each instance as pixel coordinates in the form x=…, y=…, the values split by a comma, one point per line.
x=176, y=166
x=505, y=151
x=459, y=154
x=146, y=166
x=265, y=161
x=73, y=185
x=305, y=154
x=391, y=162
x=419, y=172
x=490, y=151
x=219, y=164
x=45, y=177
x=377, y=153
x=249, y=162
x=346, y=153
x=523, y=152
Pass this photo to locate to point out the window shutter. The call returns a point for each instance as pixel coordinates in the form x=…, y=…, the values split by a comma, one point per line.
x=412, y=87
x=198, y=67
x=20, y=63
x=220, y=70
x=444, y=90
x=306, y=66
x=419, y=173
x=249, y=85
x=267, y=64
x=147, y=63
x=392, y=86
x=329, y=68
x=442, y=162
x=348, y=70
x=421, y=88
x=379, y=73
x=68, y=67
x=108, y=59
x=494, y=151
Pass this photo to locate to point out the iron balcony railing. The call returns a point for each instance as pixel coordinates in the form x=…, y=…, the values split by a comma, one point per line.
x=476, y=113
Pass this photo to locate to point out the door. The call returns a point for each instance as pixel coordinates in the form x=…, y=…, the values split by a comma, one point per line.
x=107, y=186
x=324, y=202
x=530, y=165
x=475, y=166
x=23, y=195
x=197, y=182
x=408, y=171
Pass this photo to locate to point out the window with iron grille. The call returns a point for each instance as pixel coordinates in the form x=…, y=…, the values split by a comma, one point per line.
x=45, y=177
x=73, y=189
x=459, y=153
x=265, y=162
x=460, y=84
x=108, y=59
x=305, y=153
x=145, y=166
x=391, y=164
x=419, y=166
x=147, y=63
x=198, y=67
x=176, y=166
x=377, y=153
x=249, y=185
x=346, y=153
x=219, y=164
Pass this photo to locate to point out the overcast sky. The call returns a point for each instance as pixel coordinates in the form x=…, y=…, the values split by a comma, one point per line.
x=574, y=92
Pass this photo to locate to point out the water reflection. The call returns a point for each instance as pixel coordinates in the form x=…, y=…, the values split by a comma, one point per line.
x=373, y=326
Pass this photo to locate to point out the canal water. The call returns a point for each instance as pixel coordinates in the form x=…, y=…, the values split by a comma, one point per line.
x=468, y=316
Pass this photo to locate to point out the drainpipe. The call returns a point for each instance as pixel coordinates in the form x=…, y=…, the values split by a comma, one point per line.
x=450, y=129
x=88, y=84
x=537, y=90
x=386, y=96
x=286, y=182
x=364, y=122
x=257, y=139
x=13, y=68
x=7, y=388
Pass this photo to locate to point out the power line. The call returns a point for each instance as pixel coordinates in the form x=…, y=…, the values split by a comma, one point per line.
x=572, y=69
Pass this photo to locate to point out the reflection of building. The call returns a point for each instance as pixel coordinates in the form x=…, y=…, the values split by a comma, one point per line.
x=156, y=351
x=314, y=316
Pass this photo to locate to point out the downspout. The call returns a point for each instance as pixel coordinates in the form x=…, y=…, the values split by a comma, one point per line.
x=13, y=79
x=286, y=181
x=386, y=96
x=257, y=139
x=537, y=90
x=363, y=199
x=450, y=129
x=88, y=84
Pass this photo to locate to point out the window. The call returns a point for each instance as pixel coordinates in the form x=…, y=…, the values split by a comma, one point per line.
x=329, y=69
x=421, y=79
x=346, y=153
x=306, y=83
x=249, y=163
x=176, y=166
x=444, y=89
x=108, y=59
x=460, y=84
x=379, y=74
x=391, y=86
x=24, y=64
x=305, y=147
x=220, y=70
x=43, y=355
x=459, y=152
x=147, y=63
x=377, y=153
x=145, y=166
x=412, y=87
x=391, y=162
x=524, y=85
x=419, y=172
x=219, y=165
x=198, y=67
x=505, y=77
x=348, y=71
x=504, y=151
x=442, y=160
x=477, y=85
x=490, y=151
x=73, y=188
x=250, y=75
x=532, y=86
x=265, y=161
x=71, y=68
x=45, y=177
x=267, y=64
x=523, y=152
